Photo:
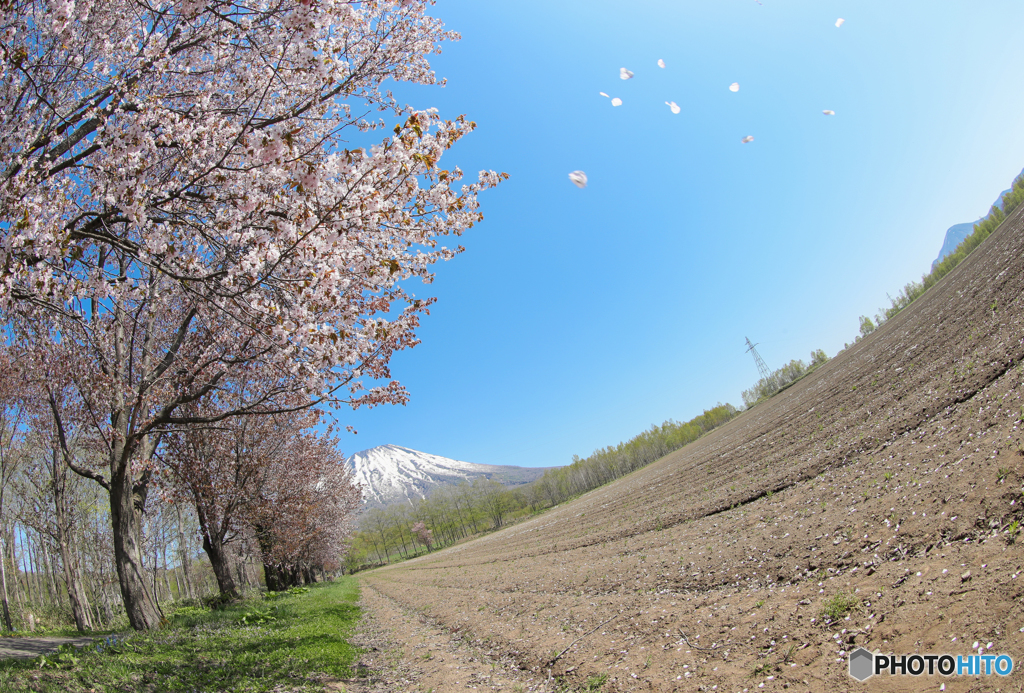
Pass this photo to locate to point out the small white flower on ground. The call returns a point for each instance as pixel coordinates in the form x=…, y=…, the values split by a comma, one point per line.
x=673, y=106
x=829, y=112
x=661, y=63
x=578, y=178
x=616, y=101
x=748, y=138
x=625, y=74
x=839, y=22
x=734, y=87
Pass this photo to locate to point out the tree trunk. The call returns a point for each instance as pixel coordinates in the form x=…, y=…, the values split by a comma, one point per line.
x=3, y=577
x=273, y=577
x=185, y=558
x=76, y=593
x=221, y=565
x=126, y=520
x=48, y=569
x=79, y=605
x=167, y=582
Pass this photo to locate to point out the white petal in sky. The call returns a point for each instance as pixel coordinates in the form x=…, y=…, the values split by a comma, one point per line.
x=839, y=22
x=672, y=105
x=735, y=86
x=748, y=138
x=661, y=63
x=625, y=74
x=616, y=101
x=603, y=94
x=829, y=112
x=578, y=178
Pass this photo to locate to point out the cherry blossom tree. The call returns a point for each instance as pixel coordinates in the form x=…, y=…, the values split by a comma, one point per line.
x=186, y=193
x=305, y=512
x=231, y=473
x=423, y=535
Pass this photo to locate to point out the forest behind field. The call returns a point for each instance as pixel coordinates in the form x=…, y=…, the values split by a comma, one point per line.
x=456, y=513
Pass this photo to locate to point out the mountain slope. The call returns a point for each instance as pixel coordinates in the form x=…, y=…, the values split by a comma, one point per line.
x=391, y=473
x=956, y=234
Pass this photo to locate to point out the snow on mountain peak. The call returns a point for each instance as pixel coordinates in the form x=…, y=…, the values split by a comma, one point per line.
x=392, y=473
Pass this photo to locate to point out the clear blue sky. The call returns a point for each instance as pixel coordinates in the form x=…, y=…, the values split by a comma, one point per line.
x=577, y=318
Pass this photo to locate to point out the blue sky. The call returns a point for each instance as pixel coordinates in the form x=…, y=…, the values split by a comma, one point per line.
x=577, y=318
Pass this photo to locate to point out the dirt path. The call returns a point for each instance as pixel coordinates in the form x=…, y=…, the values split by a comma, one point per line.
x=406, y=652
x=27, y=648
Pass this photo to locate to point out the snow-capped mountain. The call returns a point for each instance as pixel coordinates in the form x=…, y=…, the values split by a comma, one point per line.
x=390, y=473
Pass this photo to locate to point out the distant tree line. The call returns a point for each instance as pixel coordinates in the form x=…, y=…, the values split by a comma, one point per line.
x=982, y=230
x=782, y=378
x=453, y=513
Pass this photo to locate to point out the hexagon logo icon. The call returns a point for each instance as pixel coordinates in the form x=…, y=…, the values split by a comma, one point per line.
x=862, y=664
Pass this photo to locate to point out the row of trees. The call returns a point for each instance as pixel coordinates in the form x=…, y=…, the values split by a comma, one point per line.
x=265, y=487
x=453, y=513
x=782, y=378
x=982, y=230
x=194, y=250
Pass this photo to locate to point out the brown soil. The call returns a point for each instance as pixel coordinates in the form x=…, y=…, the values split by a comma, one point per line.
x=892, y=473
x=404, y=651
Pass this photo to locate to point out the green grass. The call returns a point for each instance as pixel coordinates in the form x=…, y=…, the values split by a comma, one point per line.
x=838, y=606
x=251, y=646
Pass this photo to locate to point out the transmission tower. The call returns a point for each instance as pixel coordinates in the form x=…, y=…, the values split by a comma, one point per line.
x=762, y=367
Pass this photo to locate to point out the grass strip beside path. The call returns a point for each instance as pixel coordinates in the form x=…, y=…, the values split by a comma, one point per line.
x=255, y=645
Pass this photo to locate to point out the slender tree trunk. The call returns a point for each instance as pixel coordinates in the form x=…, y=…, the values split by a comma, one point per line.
x=239, y=570
x=185, y=558
x=3, y=578
x=26, y=572
x=79, y=605
x=76, y=592
x=167, y=582
x=19, y=598
x=51, y=584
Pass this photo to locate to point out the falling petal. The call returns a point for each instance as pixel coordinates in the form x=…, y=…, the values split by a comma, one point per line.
x=839, y=22
x=661, y=63
x=672, y=105
x=578, y=178
x=748, y=138
x=625, y=74
x=616, y=101
x=734, y=87
x=603, y=94
x=829, y=112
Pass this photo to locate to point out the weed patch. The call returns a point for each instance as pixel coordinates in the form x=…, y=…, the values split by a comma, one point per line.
x=838, y=606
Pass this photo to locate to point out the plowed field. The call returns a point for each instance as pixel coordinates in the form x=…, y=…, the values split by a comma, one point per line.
x=881, y=489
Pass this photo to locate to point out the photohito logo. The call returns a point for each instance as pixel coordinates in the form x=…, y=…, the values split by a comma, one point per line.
x=865, y=664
